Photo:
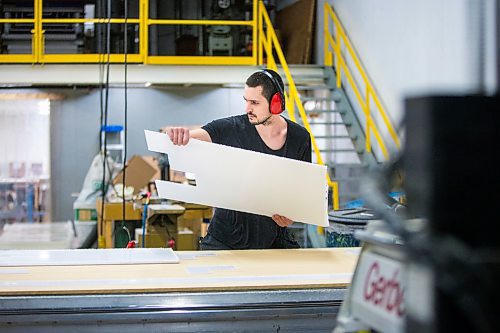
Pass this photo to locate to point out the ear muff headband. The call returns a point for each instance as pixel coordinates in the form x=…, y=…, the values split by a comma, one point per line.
x=277, y=102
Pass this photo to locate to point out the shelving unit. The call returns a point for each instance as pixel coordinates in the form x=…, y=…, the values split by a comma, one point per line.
x=23, y=200
x=115, y=143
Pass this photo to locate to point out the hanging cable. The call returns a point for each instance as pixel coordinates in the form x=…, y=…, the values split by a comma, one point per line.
x=125, y=110
x=100, y=46
x=106, y=103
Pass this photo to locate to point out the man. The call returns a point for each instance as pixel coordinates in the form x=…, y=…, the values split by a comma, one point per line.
x=261, y=129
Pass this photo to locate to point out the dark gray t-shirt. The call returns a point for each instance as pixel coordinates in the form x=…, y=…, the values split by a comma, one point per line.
x=239, y=230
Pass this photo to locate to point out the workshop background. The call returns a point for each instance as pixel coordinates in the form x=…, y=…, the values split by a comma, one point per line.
x=399, y=98
x=437, y=50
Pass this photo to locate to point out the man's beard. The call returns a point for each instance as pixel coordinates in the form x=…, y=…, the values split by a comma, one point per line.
x=261, y=122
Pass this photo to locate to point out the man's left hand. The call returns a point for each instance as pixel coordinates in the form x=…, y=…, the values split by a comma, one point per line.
x=282, y=221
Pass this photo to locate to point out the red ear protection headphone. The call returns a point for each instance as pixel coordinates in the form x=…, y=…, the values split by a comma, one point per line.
x=277, y=102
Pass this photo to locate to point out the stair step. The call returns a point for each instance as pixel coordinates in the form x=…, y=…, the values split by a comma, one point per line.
x=307, y=73
x=313, y=87
x=307, y=79
x=306, y=82
x=317, y=99
x=325, y=111
x=336, y=96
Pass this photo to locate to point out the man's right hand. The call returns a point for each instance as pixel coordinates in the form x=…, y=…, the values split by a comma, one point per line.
x=179, y=135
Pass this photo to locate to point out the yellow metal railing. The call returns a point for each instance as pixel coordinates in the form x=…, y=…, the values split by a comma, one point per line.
x=197, y=60
x=38, y=54
x=336, y=40
x=268, y=42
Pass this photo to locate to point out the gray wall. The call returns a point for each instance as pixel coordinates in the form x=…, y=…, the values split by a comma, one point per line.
x=75, y=127
x=416, y=47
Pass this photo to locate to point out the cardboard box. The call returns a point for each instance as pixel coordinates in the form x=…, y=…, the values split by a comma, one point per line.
x=138, y=173
x=153, y=162
x=185, y=240
x=154, y=240
x=193, y=219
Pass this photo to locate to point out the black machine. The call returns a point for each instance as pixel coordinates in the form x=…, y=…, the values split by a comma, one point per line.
x=436, y=266
x=452, y=181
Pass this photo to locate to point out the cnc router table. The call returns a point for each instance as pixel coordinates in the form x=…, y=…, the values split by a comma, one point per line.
x=296, y=290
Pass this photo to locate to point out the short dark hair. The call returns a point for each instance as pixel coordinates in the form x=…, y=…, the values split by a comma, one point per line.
x=261, y=79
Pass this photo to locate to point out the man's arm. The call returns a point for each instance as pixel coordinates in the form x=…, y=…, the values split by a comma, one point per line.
x=180, y=135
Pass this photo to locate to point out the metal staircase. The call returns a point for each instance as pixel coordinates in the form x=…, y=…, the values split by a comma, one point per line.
x=335, y=126
x=338, y=133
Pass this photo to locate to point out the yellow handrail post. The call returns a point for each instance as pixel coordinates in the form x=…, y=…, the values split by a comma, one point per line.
x=270, y=60
x=38, y=12
x=261, y=46
x=326, y=49
x=338, y=57
x=41, y=49
x=293, y=101
x=143, y=30
x=335, y=198
x=254, y=32
x=270, y=55
x=290, y=105
x=260, y=41
x=368, y=116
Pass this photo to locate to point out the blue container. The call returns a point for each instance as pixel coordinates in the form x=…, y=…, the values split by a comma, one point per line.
x=112, y=128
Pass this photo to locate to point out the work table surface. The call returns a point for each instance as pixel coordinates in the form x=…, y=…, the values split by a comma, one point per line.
x=197, y=271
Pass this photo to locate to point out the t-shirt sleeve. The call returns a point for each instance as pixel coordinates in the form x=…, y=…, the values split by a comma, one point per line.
x=214, y=129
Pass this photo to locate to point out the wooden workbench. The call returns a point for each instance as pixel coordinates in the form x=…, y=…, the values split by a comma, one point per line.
x=197, y=271
x=113, y=211
x=187, y=215
x=221, y=291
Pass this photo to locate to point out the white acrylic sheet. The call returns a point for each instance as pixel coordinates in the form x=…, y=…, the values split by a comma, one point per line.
x=244, y=180
x=81, y=257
